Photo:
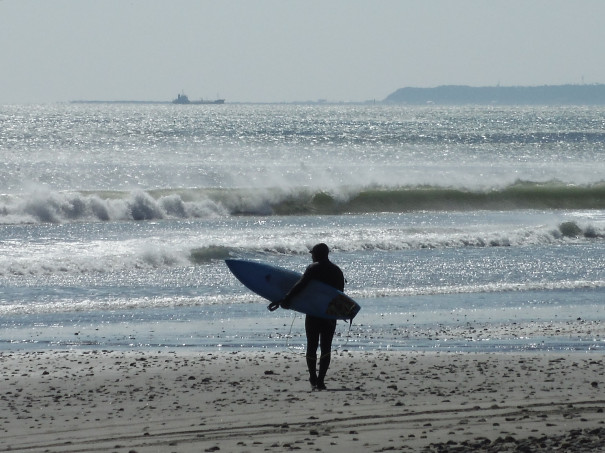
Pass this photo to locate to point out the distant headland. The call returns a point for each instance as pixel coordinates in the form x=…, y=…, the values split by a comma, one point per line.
x=510, y=95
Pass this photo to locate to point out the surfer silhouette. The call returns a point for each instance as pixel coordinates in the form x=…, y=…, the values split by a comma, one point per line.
x=319, y=331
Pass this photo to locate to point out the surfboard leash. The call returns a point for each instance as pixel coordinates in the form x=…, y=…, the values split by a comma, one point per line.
x=291, y=348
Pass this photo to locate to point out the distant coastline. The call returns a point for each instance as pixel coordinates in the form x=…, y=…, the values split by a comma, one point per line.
x=454, y=95
x=509, y=95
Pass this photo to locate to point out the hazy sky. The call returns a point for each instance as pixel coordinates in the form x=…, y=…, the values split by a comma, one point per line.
x=290, y=50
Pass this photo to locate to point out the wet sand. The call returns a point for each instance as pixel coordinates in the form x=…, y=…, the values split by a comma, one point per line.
x=257, y=401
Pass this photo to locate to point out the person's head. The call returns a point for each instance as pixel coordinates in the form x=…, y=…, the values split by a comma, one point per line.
x=320, y=252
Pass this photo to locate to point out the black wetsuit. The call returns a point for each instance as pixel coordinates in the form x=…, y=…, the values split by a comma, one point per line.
x=320, y=331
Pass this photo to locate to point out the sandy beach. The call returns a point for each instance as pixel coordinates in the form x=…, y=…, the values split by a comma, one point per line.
x=257, y=401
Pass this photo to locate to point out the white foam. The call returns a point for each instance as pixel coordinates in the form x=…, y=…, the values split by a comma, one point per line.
x=59, y=207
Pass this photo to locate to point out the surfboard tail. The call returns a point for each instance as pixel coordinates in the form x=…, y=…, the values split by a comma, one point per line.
x=343, y=307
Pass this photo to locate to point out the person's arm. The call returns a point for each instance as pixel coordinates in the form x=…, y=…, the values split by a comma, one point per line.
x=297, y=288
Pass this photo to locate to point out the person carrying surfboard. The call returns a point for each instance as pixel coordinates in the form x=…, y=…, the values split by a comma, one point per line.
x=319, y=331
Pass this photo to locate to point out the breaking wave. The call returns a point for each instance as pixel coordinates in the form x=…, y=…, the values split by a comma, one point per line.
x=61, y=207
x=111, y=260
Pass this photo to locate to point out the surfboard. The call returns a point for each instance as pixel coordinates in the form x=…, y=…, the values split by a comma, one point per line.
x=273, y=283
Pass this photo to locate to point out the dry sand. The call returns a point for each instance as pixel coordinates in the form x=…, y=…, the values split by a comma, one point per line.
x=143, y=401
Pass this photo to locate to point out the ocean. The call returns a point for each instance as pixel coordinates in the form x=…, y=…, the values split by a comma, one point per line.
x=470, y=228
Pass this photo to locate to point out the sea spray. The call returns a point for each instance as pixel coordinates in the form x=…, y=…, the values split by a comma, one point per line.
x=139, y=205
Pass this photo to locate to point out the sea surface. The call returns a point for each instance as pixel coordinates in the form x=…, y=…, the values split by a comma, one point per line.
x=475, y=228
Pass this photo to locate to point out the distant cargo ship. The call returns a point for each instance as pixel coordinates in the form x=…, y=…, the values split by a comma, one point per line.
x=183, y=99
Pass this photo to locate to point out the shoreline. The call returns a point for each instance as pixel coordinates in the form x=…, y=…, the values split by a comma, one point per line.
x=186, y=401
x=555, y=329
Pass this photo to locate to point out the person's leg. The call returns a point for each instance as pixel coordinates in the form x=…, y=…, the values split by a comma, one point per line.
x=312, y=330
x=326, y=336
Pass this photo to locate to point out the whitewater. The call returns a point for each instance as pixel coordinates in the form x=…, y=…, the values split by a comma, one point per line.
x=458, y=228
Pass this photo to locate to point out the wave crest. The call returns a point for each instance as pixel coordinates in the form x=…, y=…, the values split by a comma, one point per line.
x=60, y=207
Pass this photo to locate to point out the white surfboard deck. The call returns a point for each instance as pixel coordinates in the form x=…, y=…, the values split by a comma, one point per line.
x=273, y=283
